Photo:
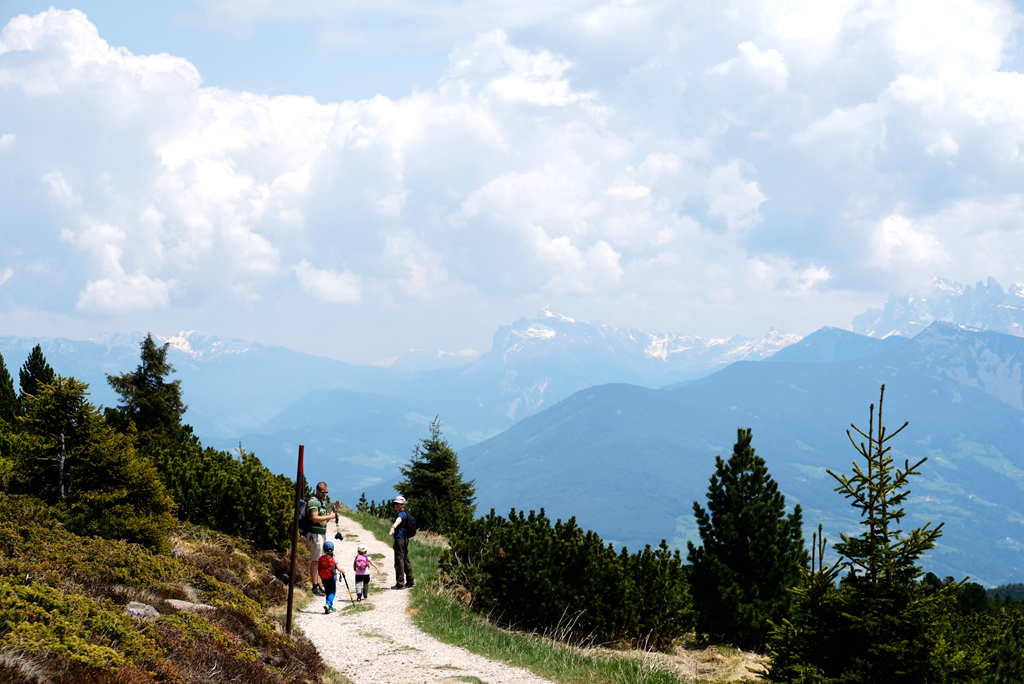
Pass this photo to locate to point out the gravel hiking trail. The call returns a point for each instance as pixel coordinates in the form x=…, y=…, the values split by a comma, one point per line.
x=382, y=645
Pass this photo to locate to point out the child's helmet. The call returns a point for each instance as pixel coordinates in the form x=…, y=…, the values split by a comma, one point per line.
x=362, y=548
x=328, y=546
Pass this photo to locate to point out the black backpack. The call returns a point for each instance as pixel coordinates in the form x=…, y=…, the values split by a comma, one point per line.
x=410, y=526
x=305, y=523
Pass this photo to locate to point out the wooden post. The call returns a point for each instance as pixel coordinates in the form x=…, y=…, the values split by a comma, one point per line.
x=295, y=540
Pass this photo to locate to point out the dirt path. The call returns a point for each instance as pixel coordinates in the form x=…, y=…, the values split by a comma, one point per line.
x=375, y=641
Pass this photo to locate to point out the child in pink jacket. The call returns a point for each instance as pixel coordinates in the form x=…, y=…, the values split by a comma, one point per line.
x=362, y=565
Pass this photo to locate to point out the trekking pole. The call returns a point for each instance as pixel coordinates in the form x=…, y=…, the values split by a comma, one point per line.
x=349, y=590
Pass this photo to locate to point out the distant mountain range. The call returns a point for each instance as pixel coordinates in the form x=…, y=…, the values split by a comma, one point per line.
x=565, y=414
x=362, y=420
x=630, y=461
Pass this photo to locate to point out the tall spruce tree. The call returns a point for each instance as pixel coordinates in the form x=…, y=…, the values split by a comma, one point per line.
x=34, y=372
x=148, y=400
x=438, y=497
x=880, y=624
x=751, y=554
x=8, y=397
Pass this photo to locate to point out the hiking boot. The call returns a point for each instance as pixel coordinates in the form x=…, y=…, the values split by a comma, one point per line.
x=410, y=584
x=328, y=610
x=318, y=590
x=398, y=586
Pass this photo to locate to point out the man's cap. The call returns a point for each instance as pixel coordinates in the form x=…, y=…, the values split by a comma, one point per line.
x=328, y=546
x=400, y=499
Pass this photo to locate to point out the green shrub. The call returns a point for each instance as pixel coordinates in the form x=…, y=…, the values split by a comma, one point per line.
x=527, y=573
x=42, y=618
x=237, y=496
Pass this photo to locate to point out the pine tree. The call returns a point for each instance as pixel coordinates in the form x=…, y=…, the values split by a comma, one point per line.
x=433, y=485
x=363, y=505
x=152, y=403
x=880, y=624
x=8, y=397
x=92, y=473
x=751, y=552
x=35, y=372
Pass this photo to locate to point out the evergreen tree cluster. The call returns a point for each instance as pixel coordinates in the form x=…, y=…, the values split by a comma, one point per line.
x=384, y=510
x=235, y=495
x=558, y=579
x=131, y=471
x=873, y=615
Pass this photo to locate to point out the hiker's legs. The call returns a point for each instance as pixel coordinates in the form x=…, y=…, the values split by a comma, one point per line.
x=331, y=588
x=315, y=544
x=403, y=568
x=363, y=584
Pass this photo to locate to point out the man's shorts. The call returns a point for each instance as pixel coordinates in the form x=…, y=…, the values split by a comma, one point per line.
x=315, y=544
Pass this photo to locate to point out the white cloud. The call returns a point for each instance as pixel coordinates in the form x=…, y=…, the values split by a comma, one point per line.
x=578, y=154
x=328, y=285
x=733, y=198
x=863, y=122
x=768, y=67
x=124, y=294
x=6, y=275
x=60, y=189
x=574, y=271
x=901, y=241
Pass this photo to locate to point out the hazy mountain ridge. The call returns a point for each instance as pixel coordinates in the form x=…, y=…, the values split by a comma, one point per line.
x=649, y=355
x=271, y=398
x=985, y=306
x=609, y=454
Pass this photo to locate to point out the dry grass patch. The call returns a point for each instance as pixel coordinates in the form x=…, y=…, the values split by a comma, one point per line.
x=715, y=663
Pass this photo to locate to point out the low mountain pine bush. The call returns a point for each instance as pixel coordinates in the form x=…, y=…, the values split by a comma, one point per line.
x=530, y=574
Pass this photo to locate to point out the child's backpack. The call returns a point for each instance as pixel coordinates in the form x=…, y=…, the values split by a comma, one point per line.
x=362, y=562
x=326, y=566
x=305, y=523
x=410, y=526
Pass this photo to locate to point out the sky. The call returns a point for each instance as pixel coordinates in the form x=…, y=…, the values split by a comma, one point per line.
x=355, y=179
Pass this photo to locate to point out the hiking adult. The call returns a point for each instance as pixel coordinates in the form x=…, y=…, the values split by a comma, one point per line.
x=403, y=567
x=319, y=514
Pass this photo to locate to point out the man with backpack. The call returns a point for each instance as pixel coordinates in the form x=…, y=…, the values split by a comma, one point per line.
x=316, y=517
x=402, y=530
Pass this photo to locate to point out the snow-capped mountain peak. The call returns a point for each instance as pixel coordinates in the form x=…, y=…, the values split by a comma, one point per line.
x=984, y=306
x=205, y=347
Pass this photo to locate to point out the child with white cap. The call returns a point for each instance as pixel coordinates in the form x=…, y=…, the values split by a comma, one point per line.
x=362, y=565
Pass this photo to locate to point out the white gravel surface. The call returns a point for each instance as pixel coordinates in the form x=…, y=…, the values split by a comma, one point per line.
x=382, y=646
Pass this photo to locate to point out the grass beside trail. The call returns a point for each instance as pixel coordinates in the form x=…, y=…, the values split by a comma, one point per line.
x=437, y=613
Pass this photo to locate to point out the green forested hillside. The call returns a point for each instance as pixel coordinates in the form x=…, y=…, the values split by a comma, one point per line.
x=110, y=568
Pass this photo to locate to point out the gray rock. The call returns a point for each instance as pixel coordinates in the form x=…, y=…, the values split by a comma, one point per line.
x=188, y=605
x=143, y=611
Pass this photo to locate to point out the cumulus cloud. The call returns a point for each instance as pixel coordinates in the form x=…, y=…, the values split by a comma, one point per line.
x=328, y=285
x=733, y=198
x=604, y=155
x=123, y=294
x=768, y=67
